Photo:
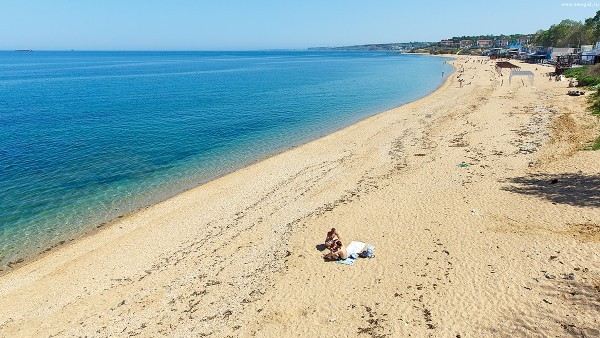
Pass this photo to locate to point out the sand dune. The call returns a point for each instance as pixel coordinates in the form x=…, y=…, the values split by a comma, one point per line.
x=482, y=205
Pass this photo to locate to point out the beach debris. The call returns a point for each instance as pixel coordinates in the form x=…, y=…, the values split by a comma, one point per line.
x=428, y=319
x=568, y=276
x=575, y=92
x=463, y=165
x=549, y=276
x=475, y=212
x=375, y=327
x=547, y=301
x=15, y=262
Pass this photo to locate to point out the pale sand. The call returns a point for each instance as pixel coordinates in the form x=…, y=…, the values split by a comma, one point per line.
x=494, y=249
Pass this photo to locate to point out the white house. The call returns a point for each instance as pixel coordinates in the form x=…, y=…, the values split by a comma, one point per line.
x=556, y=52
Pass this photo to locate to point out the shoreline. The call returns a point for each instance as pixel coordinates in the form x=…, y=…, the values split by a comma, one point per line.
x=480, y=203
x=95, y=227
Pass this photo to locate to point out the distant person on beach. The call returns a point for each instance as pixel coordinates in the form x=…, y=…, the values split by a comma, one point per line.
x=331, y=238
x=337, y=253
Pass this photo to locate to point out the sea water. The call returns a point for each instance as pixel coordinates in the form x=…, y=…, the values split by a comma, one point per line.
x=88, y=136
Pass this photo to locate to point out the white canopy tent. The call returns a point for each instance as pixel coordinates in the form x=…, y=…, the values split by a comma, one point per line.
x=517, y=72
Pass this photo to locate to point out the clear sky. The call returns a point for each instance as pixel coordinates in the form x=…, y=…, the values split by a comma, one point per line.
x=265, y=24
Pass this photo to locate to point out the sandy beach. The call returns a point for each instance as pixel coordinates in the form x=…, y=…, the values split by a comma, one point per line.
x=481, y=201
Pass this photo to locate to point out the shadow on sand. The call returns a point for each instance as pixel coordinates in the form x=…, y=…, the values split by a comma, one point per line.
x=572, y=189
x=559, y=310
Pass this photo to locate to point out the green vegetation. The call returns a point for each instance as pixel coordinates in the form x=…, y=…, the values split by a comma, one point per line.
x=589, y=76
x=474, y=38
x=440, y=50
x=596, y=144
x=570, y=33
x=586, y=76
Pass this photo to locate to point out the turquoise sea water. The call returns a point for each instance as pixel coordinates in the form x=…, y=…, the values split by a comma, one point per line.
x=88, y=136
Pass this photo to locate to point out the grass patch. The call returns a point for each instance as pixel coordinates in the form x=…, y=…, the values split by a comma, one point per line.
x=596, y=144
x=586, y=76
x=589, y=76
x=594, y=101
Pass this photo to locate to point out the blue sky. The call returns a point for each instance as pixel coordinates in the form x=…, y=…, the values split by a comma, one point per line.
x=264, y=24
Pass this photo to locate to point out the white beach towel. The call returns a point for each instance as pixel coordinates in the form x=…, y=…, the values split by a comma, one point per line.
x=355, y=247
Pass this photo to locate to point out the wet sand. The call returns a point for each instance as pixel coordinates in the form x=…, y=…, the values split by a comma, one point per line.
x=480, y=200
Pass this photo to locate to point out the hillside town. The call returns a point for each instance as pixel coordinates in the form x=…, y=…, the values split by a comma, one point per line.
x=566, y=44
x=521, y=47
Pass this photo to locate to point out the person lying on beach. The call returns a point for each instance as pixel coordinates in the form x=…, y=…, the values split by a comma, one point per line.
x=340, y=253
x=332, y=237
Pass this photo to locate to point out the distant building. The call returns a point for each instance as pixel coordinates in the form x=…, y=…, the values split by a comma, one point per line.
x=501, y=43
x=590, y=54
x=466, y=43
x=448, y=43
x=556, y=52
x=590, y=57
x=524, y=40
x=485, y=43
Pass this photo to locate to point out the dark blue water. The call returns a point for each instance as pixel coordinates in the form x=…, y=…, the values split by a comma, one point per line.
x=88, y=136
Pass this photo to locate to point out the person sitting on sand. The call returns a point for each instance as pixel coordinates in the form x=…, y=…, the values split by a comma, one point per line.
x=340, y=253
x=332, y=237
x=335, y=246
